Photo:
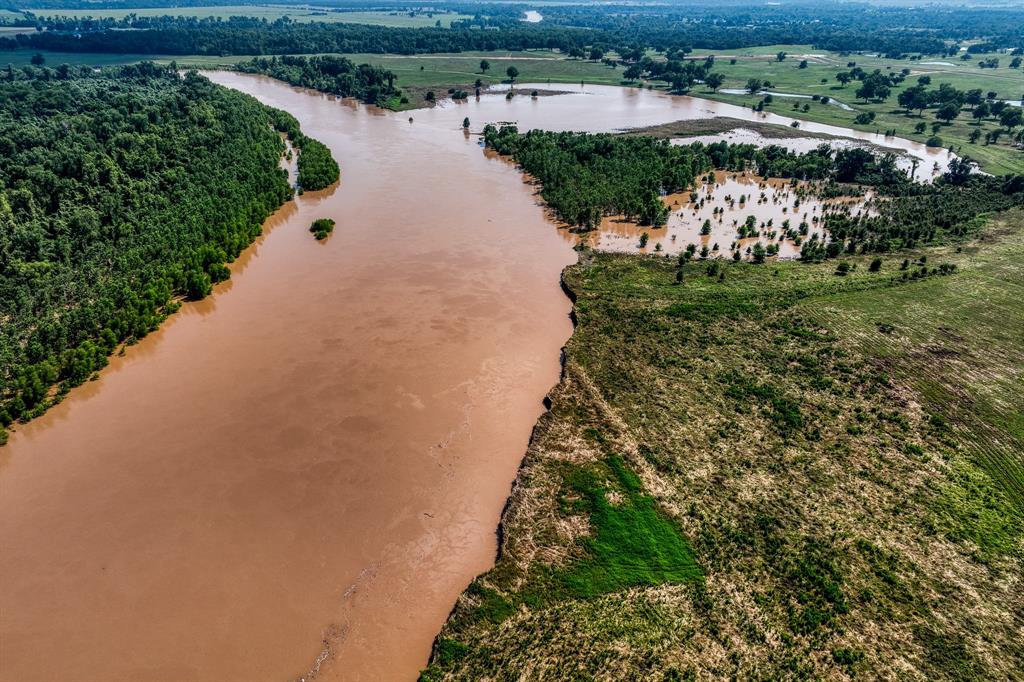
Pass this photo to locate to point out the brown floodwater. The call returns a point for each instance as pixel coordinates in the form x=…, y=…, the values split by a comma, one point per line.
x=300, y=474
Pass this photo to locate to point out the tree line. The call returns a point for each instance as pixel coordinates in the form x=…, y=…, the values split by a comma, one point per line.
x=121, y=192
x=584, y=177
x=587, y=176
x=575, y=30
x=330, y=74
x=250, y=36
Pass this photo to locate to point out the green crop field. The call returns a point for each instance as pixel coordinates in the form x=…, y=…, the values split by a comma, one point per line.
x=534, y=67
x=817, y=454
x=270, y=13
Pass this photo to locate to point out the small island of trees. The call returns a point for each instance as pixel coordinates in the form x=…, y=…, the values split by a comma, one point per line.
x=322, y=227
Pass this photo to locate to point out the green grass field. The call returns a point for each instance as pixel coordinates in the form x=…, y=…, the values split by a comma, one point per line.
x=23, y=57
x=534, y=66
x=835, y=458
x=270, y=13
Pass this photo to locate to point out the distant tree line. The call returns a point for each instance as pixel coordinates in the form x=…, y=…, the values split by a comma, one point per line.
x=578, y=30
x=246, y=35
x=120, y=193
x=892, y=31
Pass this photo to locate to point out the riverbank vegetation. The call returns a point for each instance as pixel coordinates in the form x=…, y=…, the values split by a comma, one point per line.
x=584, y=177
x=333, y=75
x=121, y=193
x=833, y=462
x=827, y=89
x=317, y=168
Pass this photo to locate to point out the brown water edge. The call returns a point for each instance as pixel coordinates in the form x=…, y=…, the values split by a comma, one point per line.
x=324, y=460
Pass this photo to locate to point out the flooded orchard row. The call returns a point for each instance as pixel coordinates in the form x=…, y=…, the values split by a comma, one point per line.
x=300, y=473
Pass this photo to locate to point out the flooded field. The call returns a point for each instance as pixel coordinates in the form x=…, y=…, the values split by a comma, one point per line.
x=299, y=474
x=732, y=213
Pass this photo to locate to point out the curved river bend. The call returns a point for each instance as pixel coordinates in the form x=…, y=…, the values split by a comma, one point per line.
x=301, y=473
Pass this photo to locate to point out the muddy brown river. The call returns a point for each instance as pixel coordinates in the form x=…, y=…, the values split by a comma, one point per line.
x=299, y=474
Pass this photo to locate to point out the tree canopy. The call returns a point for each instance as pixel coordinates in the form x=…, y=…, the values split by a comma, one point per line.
x=330, y=74
x=120, y=192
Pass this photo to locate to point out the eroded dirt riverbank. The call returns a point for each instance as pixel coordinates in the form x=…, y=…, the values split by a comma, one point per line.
x=320, y=465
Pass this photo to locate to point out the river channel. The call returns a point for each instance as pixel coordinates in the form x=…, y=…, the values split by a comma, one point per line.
x=301, y=473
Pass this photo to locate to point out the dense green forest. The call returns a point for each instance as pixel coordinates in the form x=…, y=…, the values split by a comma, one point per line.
x=317, y=168
x=586, y=176
x=247, y=36
x=334, y=75
x=891, y=31
x=120, y=191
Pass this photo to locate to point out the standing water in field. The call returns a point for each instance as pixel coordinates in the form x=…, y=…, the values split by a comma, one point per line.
x=732, y=211
x=301, y=473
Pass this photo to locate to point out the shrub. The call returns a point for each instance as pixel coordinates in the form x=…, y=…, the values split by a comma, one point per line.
x=322, y=227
